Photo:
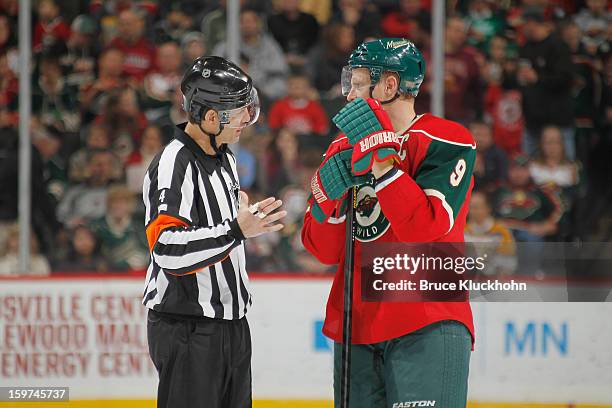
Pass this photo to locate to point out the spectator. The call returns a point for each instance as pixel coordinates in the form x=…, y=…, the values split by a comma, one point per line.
x=362, y=16
x=176, y=115
x=214, y=25
x=295, y=31
x=483, y=22
x=594, y=23
x=84, y=253
x=298, y=112
x=553, y=172
x=48, y=141
x=264, y=58
x=8, y=43
x=93, y=96
x=256, y=142
x=491, y=167
x=498, y=52
x=404, y=22
x=177, y=22
x=247, y=167
x=545, y=74
x=159, y=86
x=139, y=54
x=9, y=88
x=462, y=81
x=320, y=9
x=50, y=31
x=497, y=55
x=290, y=247
x=490, y=237
x=9, y=261
x=515, y=17
x=87, y=201
x=503, y=100
x=53, y=100
x=283, y=161
x=79, y=61
x=529, y=212
x=327, y=59
x=10, y=8
x=122, y=237
x=125, y=121
x=44, y=222
x=97, y=139
x=192, y=46
x=292, y=255
x=586, y=89
x=138, y=162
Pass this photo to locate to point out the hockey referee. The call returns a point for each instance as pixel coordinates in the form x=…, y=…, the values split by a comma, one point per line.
x=197, y=288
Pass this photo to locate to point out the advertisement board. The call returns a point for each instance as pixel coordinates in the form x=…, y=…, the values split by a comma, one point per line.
x=90, y=334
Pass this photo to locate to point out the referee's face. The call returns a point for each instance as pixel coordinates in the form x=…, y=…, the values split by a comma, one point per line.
x=231, y=134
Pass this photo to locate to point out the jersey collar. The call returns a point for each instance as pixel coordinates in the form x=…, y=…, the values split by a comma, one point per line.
x=209, y=162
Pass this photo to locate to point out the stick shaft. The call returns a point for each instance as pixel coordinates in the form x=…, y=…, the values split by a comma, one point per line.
x=345, y=384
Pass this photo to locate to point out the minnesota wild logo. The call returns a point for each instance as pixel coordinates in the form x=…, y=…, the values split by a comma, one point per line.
x=371, y=222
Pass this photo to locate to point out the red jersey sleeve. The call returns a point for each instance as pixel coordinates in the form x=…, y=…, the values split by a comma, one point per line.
x=325, y=241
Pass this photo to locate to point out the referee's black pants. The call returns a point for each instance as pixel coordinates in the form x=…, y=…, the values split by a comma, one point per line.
x=202, y=363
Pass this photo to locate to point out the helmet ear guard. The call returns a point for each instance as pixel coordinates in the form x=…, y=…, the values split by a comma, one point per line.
x=195, y=111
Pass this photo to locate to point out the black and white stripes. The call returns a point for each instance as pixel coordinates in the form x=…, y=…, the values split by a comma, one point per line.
x=198, y=262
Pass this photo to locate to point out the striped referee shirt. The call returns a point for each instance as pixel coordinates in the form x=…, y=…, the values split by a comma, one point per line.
x=197, y=265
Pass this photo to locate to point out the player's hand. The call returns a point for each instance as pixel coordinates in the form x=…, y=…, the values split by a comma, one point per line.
x=368, y=128
x=259, y=218
x=332, y=179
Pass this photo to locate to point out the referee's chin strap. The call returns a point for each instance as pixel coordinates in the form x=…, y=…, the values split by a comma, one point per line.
x=212, y=137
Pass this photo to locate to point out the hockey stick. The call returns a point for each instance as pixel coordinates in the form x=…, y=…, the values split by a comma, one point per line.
x=345, y=381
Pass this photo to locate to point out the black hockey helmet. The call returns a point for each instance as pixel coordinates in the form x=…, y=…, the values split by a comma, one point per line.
x=215, y=83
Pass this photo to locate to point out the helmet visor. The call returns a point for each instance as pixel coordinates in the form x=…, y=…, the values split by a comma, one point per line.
x=356, y=83
x=244, y=116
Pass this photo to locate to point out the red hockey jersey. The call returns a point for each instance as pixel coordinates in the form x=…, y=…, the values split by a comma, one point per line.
x=425, y=199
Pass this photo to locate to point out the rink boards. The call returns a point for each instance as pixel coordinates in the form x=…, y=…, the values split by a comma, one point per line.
x=89, y=333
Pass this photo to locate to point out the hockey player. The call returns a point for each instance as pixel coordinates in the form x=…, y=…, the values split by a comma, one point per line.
x=420, y=167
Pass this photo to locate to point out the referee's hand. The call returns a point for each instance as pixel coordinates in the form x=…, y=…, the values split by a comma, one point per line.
x=260, y=218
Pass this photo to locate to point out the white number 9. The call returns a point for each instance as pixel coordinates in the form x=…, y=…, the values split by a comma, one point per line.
x=457, y=174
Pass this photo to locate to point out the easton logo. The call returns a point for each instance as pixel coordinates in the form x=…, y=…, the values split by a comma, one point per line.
x=317, y=192
x=376, y=139
x=410, y=404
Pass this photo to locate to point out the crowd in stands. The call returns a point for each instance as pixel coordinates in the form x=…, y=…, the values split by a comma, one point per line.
x=531, y=79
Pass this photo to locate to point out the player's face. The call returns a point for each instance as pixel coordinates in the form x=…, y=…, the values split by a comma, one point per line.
x=360, y=84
